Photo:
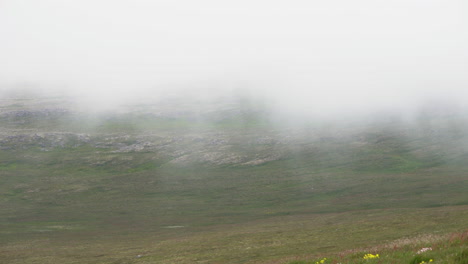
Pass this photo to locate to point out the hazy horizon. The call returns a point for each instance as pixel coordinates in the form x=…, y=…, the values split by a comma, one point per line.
x=300, y=56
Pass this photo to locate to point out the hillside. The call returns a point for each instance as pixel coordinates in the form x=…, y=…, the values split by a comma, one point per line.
x=220, y=181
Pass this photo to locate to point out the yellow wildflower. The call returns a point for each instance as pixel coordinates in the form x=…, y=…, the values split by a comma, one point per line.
x=371, y=256
x=321, y=261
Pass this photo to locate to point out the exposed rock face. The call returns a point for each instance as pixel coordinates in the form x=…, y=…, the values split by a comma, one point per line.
x=219, y=150
x=44, y=141
x=35, y=125
x=216, y=134
x=25, y=116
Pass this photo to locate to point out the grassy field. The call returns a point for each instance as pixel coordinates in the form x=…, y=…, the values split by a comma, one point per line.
x=342, y=192
x=449, y=249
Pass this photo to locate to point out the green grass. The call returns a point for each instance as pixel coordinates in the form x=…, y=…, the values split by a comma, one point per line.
x=276, y=210
x=375, y=189
x=449, y=249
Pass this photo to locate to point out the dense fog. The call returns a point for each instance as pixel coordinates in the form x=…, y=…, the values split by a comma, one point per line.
x=326, y=58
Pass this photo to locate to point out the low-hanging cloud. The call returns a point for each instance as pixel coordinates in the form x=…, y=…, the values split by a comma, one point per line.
x=302, y=55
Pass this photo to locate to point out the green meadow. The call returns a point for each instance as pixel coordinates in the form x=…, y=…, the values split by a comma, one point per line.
x=138, y=188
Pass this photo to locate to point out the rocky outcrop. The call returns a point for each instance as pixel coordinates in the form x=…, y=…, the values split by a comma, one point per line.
x=43, y=141
x=24, y=116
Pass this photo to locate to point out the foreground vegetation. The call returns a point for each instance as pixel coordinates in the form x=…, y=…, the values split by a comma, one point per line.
x=449, y=249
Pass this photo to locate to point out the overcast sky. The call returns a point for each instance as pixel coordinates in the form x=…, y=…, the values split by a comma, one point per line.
x=327, y=54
